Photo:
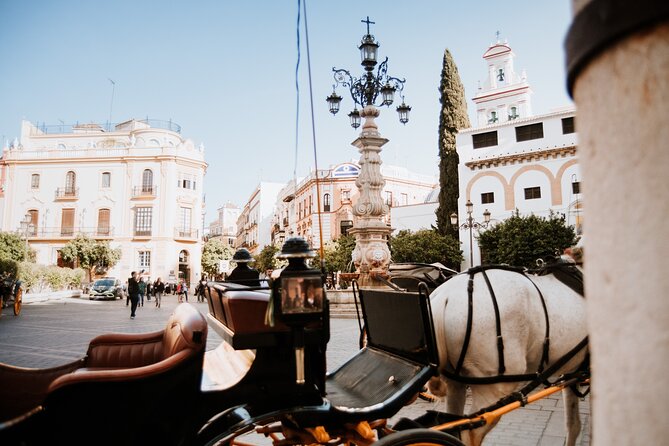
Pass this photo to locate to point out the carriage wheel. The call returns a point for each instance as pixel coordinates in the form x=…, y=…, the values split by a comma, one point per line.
x=18, y=301
x=419, y=437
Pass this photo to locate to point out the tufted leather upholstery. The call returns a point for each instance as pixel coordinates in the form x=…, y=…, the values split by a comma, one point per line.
x=118, y=357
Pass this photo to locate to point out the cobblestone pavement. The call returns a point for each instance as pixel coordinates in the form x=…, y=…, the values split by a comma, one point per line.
x=55, y=332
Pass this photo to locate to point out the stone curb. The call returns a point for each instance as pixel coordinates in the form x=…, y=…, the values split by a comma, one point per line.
x=29, y=298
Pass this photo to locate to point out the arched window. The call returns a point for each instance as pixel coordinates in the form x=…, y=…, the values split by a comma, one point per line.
x=34, y=219
x=492, y=118
x=70, y=183
x=106, y=180
x=34, y=181
x=147, y=181
x=183, y=256
x=513, y=113
x=326, y=203
x=103, y=222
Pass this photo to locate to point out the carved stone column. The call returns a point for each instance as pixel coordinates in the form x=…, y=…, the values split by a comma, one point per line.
x=371, y=254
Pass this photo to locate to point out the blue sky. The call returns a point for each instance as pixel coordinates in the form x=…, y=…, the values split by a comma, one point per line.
x=225, y=71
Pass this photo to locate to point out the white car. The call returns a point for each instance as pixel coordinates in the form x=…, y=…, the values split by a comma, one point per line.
x=106, y=288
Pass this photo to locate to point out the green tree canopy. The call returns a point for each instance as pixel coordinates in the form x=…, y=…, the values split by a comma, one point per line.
x=96, y=257
x=521, y=240
x=213, y=252
x=425, y=246
x=12, y=247
x=452, y=118
x=338, y=253
x=266, y=260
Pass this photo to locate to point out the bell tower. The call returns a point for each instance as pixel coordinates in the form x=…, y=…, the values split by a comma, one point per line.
x=503, y=95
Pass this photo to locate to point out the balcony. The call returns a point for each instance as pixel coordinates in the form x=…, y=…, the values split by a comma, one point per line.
x=144, y=192
x=185, y=234
x=67, y=193
x=67, y=232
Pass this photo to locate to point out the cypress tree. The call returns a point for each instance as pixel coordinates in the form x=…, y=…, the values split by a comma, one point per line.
x=452, y=118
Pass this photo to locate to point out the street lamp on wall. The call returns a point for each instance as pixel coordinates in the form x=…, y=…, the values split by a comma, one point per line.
x=471, y=224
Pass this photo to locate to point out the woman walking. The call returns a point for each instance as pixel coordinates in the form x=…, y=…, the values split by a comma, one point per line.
x=158, y=288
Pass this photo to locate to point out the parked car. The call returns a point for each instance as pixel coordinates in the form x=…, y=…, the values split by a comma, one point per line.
x=106, y=288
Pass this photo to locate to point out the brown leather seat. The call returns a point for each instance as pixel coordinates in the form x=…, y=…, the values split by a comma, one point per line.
x=123, y=375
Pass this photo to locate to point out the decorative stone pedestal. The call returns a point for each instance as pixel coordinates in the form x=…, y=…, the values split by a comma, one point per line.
x=371, y=255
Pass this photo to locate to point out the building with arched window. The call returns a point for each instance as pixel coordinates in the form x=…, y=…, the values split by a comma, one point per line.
x=137, y=185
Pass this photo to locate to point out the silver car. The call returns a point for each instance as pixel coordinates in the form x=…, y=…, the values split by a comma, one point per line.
x=106, y=288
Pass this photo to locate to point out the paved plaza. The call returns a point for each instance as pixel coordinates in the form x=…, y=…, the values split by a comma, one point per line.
x=55, y=332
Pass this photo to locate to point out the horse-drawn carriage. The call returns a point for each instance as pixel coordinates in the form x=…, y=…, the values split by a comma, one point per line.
x=267, y=378
x=11, y=293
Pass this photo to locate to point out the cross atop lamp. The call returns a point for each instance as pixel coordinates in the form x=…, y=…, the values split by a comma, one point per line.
x=471, y=224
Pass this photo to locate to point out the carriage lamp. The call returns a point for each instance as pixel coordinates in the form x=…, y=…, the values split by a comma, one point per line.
x=299, y=297
x=373, y=88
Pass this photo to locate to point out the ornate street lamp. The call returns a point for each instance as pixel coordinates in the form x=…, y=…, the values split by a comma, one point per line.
x=471, y=224
x=370, y=89
x=374, y=88
x=26, y=229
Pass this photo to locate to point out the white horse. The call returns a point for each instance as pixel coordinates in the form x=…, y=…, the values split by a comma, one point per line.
x=523, y=329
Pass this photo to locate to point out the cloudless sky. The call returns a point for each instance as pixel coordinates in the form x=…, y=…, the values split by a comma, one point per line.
x=225, y=72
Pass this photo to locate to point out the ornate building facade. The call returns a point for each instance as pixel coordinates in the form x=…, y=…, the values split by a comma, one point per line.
x=137, y=185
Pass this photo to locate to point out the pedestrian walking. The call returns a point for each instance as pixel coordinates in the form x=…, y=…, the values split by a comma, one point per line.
x=149, y=289
x=178, y=291
x=133, y=293
x=184, y=290
x=200, y=289
x=142, y=290
x=158, y=288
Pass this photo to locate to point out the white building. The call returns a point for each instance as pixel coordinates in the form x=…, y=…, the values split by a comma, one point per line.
x=139, y=186
x=225, y=225
x=255, y=221
x=513, y=160
x=297, y=205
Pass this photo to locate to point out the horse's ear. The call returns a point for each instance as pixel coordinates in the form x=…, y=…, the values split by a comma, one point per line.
x=437, y=386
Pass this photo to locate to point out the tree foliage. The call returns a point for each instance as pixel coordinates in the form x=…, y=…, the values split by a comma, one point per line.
x=96, y=257
x=425, y=246
x=213, y=251
x=338, y=253
x=521, y=240
x=452, y=118
x=12, y=247
x=266, y=259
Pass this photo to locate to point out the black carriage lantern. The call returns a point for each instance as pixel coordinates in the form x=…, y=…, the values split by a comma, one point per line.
x=299, y=296
x=371, y=88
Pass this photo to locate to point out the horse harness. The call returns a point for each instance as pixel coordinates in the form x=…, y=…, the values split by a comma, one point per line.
x=574, y=281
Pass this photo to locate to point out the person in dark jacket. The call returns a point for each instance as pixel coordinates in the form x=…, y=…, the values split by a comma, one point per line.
x=133, y=292
x=243, y=274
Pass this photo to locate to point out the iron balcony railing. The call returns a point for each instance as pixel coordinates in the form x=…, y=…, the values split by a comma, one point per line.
x=43, y=129
x=67, y=192
x=71, y=232
x=144, y=191
x=185, y=233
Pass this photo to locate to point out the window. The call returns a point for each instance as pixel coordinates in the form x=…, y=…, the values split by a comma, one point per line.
x=147, y=181
x=184, y=219
x=568, y=125
x=492, y=118
x=404, y=199
x=106, y=180
x=326, y=203
x=34, y=219
x=389, y=198
x=344, y=226
x=531, y=131
x=67, y=222
x=34, y=181
x=500, y=75
x=310, y=203
x=70, y=183
x=532, y=193
x=487, y=197
x=144, y=259
x=103, y=222
x=186, y=182
x=487, y=139
x=299, y=207
x=576, y=187
x=345, y=194
x=143, y=217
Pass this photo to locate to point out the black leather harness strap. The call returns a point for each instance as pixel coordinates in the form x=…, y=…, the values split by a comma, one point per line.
x=470, y=316
x=547, y=338
x=498, y=324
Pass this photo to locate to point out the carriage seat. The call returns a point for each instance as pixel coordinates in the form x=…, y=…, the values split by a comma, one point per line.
x=120, y=357
x=240, y=308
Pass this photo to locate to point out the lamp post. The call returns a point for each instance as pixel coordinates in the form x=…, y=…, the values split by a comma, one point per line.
x=26, y=229
x=471, y=224
x=371, y=90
